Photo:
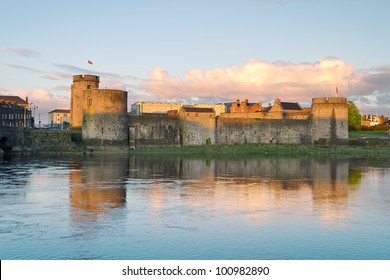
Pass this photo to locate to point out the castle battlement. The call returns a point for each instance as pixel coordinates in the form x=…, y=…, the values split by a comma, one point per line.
x=86, y=78
x=319, y=100
x=117, y=92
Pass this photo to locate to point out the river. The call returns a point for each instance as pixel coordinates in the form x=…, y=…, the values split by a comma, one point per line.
x=120, y=206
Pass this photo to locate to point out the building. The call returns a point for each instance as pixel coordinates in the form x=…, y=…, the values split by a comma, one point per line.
x=10, y=99
x=245, y=107
x=14, y=112
x=59, y=118
x=372, y=120
x=146, y=107
x=278, y=110
x=218, y=108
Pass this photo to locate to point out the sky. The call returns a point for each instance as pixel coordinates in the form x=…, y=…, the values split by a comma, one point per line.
x=198, y=51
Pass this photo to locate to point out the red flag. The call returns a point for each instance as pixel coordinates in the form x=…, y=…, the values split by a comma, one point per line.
x=90, y=62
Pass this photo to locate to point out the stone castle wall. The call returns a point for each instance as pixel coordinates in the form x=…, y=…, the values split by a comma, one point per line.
x=325, y=123
x=12, y=138
x=305, y=115
x=260, y=131
x=105, y=116
x=197, y=128
x=153, y=130
x=20, y=140
x=258, y=115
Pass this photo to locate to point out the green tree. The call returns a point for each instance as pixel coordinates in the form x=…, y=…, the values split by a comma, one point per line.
x=354, y=117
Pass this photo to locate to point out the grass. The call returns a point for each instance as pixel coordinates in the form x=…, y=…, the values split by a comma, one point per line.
x=367, y=133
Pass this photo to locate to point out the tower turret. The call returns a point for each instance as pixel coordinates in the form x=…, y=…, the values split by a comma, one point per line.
x=77, y=101
x=330, y=120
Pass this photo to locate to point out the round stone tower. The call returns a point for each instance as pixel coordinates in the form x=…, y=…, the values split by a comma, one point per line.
x=330, y=120
x=77, y=99
x=105, y=118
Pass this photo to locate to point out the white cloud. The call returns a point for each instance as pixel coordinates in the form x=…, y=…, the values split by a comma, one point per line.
x=257, y=80
x=264, y=81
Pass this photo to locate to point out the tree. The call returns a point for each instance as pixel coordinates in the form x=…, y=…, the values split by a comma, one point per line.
x=354, y=117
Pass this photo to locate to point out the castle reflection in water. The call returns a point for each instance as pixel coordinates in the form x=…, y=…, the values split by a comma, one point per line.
x=255, y=187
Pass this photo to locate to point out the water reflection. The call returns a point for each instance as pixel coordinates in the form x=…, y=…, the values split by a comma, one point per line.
x=164, y=207
x=97, y=184
x=254, y=187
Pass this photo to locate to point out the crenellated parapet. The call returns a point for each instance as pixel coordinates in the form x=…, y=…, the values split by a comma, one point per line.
x=86, y=78
x=327, y=100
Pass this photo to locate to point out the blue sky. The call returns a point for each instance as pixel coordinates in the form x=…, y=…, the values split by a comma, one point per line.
x=198, y=51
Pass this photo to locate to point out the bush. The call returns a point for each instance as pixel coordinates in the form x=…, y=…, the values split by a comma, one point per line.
x=380, y=127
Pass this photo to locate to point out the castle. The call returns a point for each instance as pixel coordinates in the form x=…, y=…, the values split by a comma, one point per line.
x=102, y=115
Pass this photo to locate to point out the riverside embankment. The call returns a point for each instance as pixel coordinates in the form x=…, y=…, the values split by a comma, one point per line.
x=58, y=142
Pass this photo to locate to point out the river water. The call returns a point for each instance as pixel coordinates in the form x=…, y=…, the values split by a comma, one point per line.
x=119, y=206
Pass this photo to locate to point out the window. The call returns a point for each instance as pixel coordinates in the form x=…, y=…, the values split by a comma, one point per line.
x=89, y=101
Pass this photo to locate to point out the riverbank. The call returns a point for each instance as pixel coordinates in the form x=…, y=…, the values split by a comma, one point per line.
x=272, y=150
x=63, y=142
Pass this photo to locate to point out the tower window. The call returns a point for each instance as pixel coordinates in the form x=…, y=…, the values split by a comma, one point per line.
x=88, y=86
x=89, y=101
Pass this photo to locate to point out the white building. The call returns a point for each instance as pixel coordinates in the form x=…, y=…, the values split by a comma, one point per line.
x=59, y=118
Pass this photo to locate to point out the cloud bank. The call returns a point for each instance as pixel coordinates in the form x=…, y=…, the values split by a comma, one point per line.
x=257, y=80
x=262, y=81
x=26, y=52
x=22, y=67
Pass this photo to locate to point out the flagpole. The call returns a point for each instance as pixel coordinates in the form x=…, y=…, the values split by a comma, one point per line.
x=91, y=63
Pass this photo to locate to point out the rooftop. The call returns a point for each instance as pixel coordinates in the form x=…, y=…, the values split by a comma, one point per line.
x=12, y=99
x=198, y=110
x=290, y=106
x=60, y=111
